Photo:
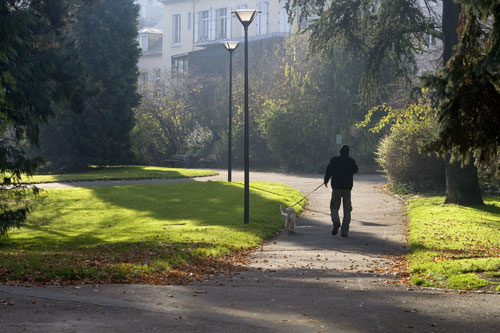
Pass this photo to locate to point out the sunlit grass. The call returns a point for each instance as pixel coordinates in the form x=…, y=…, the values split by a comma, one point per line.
x=454, y=246
x=126, y=232
x=121, y=173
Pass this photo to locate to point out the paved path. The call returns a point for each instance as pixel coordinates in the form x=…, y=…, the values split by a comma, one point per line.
x=307, y=282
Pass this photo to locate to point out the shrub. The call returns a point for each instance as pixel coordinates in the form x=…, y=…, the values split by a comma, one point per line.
x=400, y=154
x=407, y=167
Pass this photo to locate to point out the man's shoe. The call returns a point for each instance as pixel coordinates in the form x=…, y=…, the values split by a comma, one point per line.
x=344, y=235
x=335, y=230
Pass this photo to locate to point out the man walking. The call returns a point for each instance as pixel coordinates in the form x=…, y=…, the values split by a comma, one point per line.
x=340, y=170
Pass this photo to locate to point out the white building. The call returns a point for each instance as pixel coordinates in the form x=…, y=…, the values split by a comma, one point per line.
x=192, y=25
x=151, y=61
x=150, y=39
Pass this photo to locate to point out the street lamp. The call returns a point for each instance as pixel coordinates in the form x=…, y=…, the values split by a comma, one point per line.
x=246, y=16
x=230, y=46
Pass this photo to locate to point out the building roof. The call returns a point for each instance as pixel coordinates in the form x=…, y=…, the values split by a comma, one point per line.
x=149, y=30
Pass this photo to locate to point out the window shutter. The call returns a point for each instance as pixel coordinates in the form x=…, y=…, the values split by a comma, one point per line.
x=213, y=24
x=264, y=18
x=257, y=23
x=229, y=32
x=196, y=27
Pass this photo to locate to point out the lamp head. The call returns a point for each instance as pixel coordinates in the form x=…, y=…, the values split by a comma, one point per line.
x=230, y=45
x=246, y=16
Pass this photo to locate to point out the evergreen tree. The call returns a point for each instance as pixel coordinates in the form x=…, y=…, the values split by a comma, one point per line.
x=38, y=74
x=106, y=33
x=467, y=89
x=394, y=29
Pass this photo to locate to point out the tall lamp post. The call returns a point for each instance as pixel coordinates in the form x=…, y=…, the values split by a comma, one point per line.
x=246, y=16
x=230, y=46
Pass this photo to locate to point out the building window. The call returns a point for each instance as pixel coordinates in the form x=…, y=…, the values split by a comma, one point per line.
x=179, y=65
x=204, y=25
x=143, y=42
x=222, y=23
x=176, y=29
x=189, y=20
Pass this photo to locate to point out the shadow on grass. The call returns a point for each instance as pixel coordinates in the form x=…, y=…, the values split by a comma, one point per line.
x=457, y=254
x=488, y=208
x=118, y=173
x=221, y=204
x=119, y=211
x=205, y=203
x=125, y=262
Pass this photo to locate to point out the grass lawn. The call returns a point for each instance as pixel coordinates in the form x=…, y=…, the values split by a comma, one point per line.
x=454, y=246
x=140, y=233
x=121, y=173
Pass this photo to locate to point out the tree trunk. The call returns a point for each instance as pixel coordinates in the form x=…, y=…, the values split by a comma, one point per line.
x=462, y=184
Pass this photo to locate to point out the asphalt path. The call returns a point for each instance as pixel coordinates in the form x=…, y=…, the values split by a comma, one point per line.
x=309, y=281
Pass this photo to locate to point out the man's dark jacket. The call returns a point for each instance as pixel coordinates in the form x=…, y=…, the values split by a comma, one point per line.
x=341, y=169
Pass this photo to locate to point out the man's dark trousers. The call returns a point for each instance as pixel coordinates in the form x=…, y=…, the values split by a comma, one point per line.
x=339, y=195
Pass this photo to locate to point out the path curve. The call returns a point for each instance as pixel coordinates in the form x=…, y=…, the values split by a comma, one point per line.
x=309, y=281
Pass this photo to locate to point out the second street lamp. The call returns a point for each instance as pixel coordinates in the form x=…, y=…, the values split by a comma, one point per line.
x=230, y=46
x=246, y=16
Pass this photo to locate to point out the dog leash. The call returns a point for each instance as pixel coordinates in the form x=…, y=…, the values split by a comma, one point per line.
x=307, y=195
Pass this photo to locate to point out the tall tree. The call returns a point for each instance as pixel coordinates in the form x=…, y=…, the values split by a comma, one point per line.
x=462, y=184
x=394, y=29
x=106, y=33
x=467, y=88
x=38, y=75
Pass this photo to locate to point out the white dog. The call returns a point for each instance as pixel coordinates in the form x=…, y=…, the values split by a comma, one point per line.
x=290, y=217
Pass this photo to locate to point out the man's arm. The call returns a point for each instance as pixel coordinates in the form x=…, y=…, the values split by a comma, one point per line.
x=355, y=167
x=328, y=174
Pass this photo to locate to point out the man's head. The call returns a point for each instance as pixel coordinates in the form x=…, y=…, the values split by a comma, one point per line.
x=344, y=150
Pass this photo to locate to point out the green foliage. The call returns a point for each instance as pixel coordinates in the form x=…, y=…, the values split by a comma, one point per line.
x=467, y=90
x=466, y=281
x=164, y=119
x=297, y=107
x=113, y=233
x=312, y=100
x=106, y=32
x=451, y=244
x=400, y=154
x=38, y=75
x=13, y=213
x=390, y=31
